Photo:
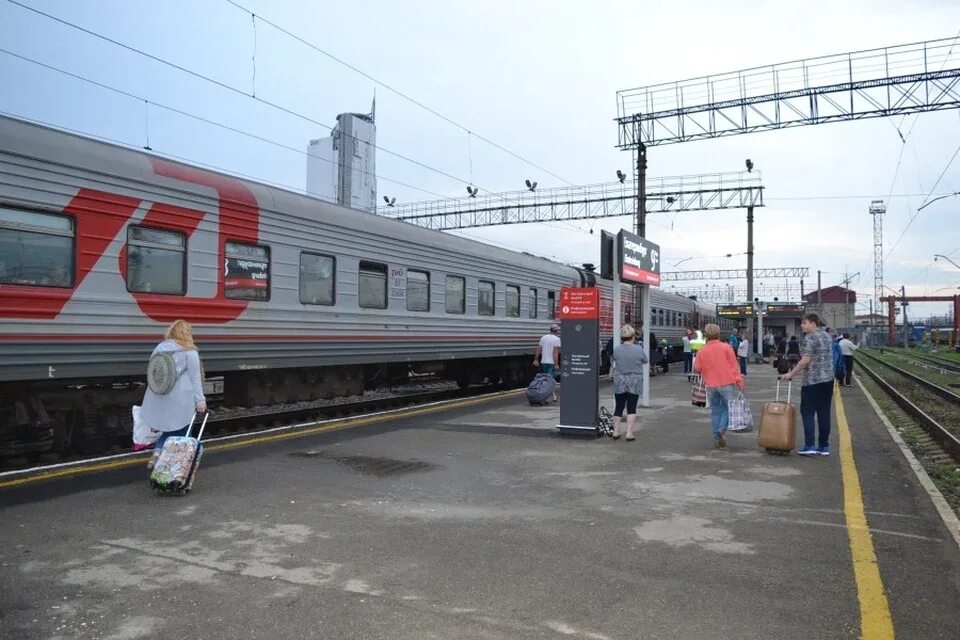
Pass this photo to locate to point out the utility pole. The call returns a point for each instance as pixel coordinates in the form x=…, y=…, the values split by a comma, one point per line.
x=642, y=291
x=903, y=305
x=819, y=295
x=757, y=339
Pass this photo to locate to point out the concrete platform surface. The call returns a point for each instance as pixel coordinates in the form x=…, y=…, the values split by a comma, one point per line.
x=483, y=523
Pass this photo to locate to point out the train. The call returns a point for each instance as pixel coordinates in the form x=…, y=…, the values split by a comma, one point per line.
x=292, y=298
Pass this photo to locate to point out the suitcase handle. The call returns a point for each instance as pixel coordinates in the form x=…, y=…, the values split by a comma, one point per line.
x=202, y=425
x=789, y=389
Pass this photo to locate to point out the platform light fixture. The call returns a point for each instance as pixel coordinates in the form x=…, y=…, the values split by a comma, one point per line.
x=472, y=190
x=621, y=176
x=532, y=186
x=749, y=164
x=390, y=201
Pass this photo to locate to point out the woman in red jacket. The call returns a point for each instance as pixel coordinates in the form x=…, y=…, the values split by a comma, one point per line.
x=717, y=363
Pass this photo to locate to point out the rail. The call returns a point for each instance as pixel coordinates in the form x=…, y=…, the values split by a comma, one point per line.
x=946, y=439
x=935, y=389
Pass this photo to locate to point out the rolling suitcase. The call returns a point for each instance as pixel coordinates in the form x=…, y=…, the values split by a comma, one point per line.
x=176, y=468
x=778, y=424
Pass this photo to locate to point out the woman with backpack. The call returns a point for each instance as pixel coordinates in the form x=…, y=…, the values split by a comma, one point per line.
x=174, y=386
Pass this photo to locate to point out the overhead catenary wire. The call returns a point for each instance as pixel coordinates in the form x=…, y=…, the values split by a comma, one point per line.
x=397, y=92
x=230, y=88
x=147, y=102
x=926, y=198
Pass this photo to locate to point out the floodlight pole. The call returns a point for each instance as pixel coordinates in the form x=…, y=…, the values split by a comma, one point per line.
x=757, y=339
x=642, y=291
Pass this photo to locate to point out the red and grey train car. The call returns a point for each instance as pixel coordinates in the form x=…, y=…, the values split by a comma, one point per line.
x=292, y=298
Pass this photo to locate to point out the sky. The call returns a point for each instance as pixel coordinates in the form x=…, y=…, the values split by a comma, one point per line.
x=537, y=77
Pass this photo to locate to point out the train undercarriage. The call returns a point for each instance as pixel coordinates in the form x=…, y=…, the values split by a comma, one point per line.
x=45, y=420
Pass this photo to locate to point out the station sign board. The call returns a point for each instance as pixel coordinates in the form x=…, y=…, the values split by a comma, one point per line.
x=734, y=310
x=785, y=309
x=579, y=309
x=638, y=259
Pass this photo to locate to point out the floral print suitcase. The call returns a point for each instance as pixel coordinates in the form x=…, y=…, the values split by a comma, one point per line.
x=176, y=468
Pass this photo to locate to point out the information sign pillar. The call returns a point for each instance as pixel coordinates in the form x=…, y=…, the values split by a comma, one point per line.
x=580, y=360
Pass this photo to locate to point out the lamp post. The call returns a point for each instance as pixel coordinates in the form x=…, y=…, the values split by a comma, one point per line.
x=946, y=195
x=937, y=256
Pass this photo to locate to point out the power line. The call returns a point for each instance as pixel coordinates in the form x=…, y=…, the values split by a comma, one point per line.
x=927, y=197
x=857, y=197
x=133, y=147
x=198, y=118
x=395, y=91
x=228, y=87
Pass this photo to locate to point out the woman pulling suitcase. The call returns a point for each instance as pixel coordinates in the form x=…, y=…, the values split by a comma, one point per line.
x=174, y=386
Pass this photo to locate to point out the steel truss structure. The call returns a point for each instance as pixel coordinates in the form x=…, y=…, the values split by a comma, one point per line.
x=734, y=274
x=606, y=200
x=877, y=209
x=874, y=83
x=785, y=293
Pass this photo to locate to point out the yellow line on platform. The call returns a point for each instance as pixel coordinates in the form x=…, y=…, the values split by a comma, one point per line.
x=253, y=439
x=875, y=620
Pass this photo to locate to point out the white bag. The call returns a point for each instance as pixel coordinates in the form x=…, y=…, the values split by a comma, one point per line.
x=743, y=350
x=144, y=437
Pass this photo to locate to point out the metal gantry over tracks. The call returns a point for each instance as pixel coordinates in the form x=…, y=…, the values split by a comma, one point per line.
x=875, y=83
x=734, y=190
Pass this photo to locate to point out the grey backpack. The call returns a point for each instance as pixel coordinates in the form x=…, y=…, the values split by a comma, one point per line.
x=162, y=374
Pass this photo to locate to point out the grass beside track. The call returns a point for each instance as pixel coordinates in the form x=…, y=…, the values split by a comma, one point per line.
x=921, y=369
x=944, y=353
x=945, y=475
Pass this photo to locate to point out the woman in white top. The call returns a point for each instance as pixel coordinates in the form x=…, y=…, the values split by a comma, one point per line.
x=172, y=412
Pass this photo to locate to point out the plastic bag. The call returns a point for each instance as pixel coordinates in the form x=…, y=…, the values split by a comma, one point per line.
x=741, y=417
x=698, y=395
x=144, y=437
x=604, y=423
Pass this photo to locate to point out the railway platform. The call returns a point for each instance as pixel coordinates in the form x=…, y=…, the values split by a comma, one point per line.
x=477, y=520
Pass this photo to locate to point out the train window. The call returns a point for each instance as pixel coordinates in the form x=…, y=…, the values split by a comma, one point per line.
x=661, y=314
x=532, y=303
x=456, y=295
x=486, y=298
x=247, y=272
x=551, y=304
x=372, y=285
x=156, y=261
x=318, y=275
x=513, y=301
x=418, y=290
x=36, y=248
x=653, y=317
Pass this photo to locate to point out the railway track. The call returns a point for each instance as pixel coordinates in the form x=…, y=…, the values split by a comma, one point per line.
x=942, y=363
x=926, y=385
x=244, y=422
x=946, y=435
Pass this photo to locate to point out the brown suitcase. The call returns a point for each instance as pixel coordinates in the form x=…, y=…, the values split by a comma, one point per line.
x=778, y=425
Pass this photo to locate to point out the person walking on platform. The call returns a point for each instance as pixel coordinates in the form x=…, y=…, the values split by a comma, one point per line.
x=816, y=394
x=629, y=359
x=717, y=363
x=743, y=352
x=838, y=364
x=847, y=347
x=793, y=351
x=547, y=355
x=171, y=412
x=687, y=353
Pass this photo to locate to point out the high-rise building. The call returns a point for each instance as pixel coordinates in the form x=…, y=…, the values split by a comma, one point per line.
x=342, y=167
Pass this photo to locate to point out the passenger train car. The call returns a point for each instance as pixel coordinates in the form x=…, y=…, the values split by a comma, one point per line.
x=291, y=298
